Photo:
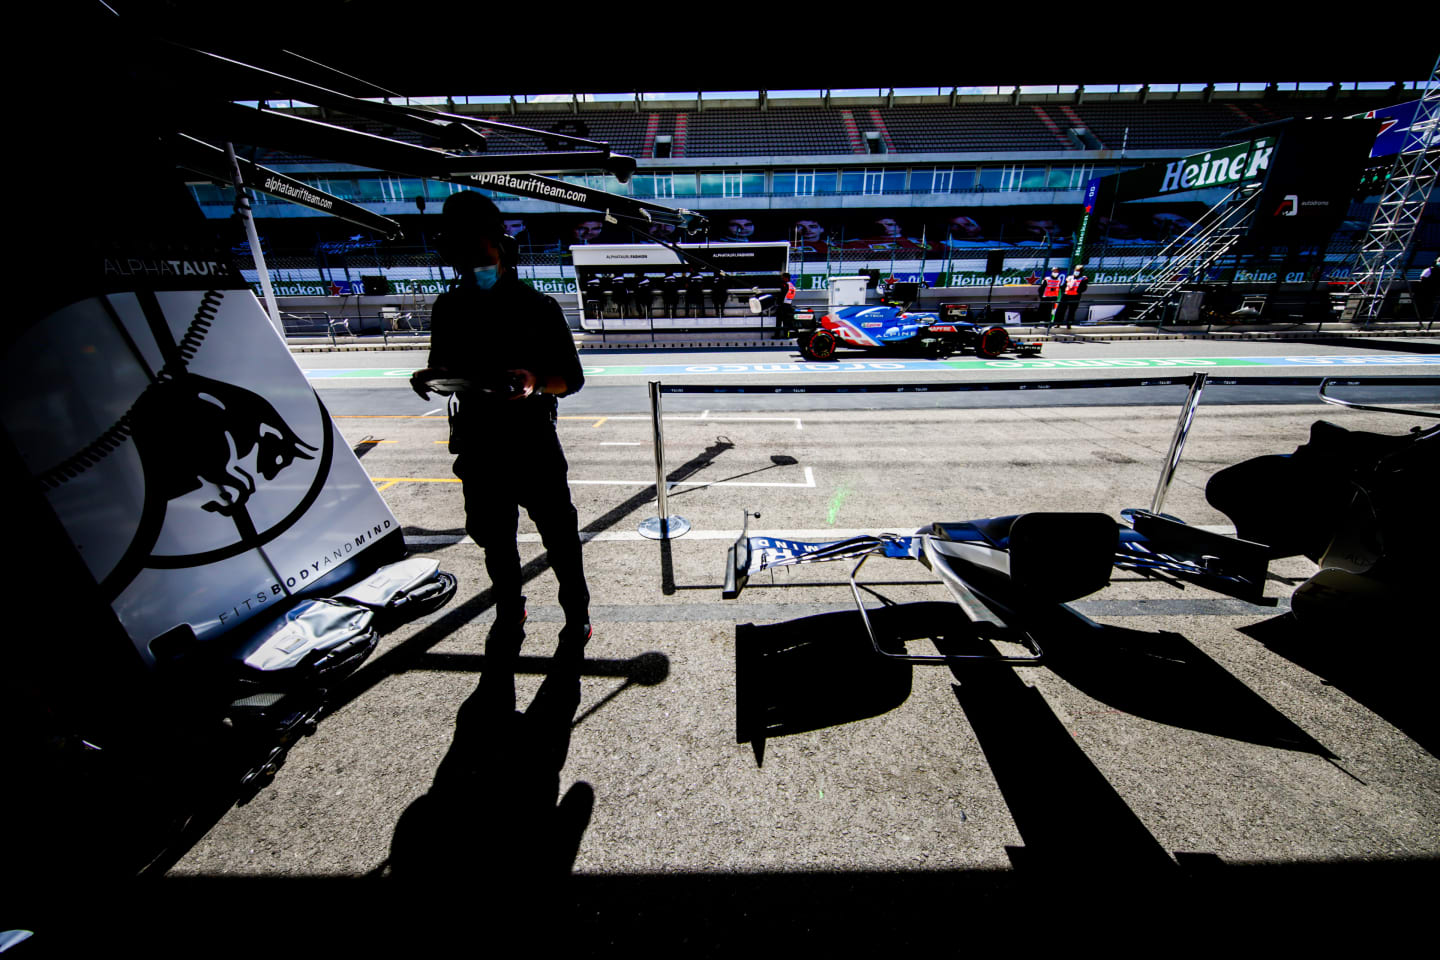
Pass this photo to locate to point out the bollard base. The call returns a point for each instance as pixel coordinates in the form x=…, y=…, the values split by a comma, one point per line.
x=667, y=528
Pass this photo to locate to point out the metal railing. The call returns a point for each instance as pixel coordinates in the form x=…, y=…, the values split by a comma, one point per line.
x=663, y=527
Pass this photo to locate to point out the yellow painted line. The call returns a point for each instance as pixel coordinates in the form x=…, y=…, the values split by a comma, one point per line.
x=377, y=441
x=416, y=479
x=386, y=486
x=600, y=421
x=382, y=416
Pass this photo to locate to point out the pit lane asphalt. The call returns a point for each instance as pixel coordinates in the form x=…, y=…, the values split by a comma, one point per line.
x=1176, y=738
x=610, y=391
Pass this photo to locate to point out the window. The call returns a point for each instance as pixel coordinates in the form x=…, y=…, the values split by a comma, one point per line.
x=661, y=185
x=727, y=184
x=1061, y=178
x=894, y=180
x=371, y=190
x=874, y=182
x=939, y=182
x=683, y=185
x=852, y=181
x=613, y=185
x=404, y=191
x=1013, y=177
x=825, y=181
x=209, y=193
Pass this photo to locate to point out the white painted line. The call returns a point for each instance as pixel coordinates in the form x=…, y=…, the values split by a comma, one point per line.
x=612, y=536
x=431, y=413
x=809, y=483
x=794, y=420
x=823, y=533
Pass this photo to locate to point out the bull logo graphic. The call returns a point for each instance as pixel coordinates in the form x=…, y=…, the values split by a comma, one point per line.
x=206, y=450
x=191, y=429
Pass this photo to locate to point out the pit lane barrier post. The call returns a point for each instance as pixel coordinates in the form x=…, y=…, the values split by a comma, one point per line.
x=664, y=526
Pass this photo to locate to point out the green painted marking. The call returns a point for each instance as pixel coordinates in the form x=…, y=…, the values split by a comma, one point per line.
x=841, y=492
x=1036, y=363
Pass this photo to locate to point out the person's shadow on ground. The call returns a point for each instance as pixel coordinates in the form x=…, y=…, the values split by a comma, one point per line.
x=491, y=812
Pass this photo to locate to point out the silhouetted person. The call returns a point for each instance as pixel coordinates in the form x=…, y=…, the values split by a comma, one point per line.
x=644, y=295
x=512, y=347
x=1424, y=291
x=695, y=295
x=719, y=293
x=593, y=295
x=623, y=292
x=607, y=293
x=785, y=312
x=670, y=294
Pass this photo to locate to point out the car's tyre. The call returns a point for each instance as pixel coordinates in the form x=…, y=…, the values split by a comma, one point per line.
x=819, y=345
x=992, y=342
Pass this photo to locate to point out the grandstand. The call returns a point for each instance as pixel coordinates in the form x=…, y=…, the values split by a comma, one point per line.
x=920, y=184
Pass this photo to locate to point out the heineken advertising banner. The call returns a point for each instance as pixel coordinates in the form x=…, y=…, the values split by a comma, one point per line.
x=1223, y=167
x=405, y=287
x=1214, y=168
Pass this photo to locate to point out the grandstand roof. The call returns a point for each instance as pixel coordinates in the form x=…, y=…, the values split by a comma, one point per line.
x=431, y=48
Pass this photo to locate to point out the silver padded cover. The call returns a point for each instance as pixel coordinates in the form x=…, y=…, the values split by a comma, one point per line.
x=391, y=581
x=310, y=626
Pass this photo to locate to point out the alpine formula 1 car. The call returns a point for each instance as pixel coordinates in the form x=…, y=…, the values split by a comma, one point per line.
x=891, y=328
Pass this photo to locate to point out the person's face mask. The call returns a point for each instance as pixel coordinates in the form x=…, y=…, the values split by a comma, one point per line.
x=485, y=277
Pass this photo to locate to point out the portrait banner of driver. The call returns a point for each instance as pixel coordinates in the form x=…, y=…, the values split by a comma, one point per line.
x=512, y=353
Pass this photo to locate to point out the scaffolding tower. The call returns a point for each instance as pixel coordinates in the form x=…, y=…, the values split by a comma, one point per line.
x=1397, y=216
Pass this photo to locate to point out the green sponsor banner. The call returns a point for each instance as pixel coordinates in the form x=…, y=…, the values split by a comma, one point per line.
x=959, y=278
x=554, y=285
x=1225, y=167
x=296, y=288
x=321, y=288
